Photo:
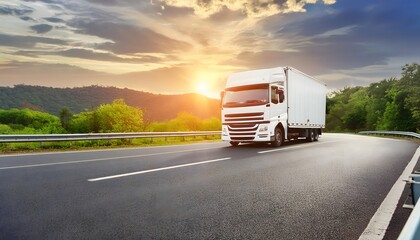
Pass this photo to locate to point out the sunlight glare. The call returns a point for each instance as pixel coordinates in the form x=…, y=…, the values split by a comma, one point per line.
x=202, y=88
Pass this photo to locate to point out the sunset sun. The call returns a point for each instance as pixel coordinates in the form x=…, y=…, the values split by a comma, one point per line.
x=204, y=83
x=202, y=88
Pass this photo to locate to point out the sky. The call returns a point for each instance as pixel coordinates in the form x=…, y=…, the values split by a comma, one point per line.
x=182, y=46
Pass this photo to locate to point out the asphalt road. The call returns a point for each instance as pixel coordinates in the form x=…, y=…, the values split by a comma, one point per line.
x=328, y=189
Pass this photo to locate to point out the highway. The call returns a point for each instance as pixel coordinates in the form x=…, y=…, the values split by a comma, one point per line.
x=328, y=189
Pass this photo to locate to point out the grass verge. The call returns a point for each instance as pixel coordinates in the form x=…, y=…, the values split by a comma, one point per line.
x=7, y=148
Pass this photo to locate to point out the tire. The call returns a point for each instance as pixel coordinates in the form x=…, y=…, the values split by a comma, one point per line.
x=278, y=138
x=310, y=137
x=234, y=144
x=316, y=135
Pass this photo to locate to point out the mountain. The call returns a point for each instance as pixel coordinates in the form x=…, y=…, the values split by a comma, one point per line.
x=156, y=107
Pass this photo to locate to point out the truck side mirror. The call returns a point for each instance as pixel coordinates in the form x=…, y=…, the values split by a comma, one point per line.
x=280, y=92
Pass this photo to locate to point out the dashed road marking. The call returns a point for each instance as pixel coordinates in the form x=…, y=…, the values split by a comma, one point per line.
x=156, y=170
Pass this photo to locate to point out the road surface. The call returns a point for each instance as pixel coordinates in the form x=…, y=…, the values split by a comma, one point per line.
x=328, y=189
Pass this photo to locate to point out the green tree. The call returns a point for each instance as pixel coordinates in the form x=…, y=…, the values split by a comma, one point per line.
x=211, y=124
x=65, y=117
x=5, y=129
x=81, y=123
x=379, y=98
x=338, y=118
x=39, y=122
x=396, y=116
x=119, y=117
x=355, y=117
x=409, y=84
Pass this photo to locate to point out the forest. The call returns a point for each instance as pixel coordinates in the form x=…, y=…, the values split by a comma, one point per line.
x=107, y=118
x=391, y=104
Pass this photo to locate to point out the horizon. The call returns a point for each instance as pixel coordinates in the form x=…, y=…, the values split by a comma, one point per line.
x=120, y=88
x=179, y=47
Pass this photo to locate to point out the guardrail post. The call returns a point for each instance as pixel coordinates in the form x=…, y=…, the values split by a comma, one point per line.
x=41, y=144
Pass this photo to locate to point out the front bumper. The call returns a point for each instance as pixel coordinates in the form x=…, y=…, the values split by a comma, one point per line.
x=246, y=132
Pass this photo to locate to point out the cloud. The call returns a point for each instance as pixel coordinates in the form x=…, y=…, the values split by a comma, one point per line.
x=91, y=55
x=41, y=28
x=313, y=59
x=45, y=1
x=103, y=56
x=27, y=41
x=54, y=20
x=319, y=24
x=386, y=30
x=251, y=8
x=340, y=81
x=17, y=11
x=129, y=39
x=226, y=15
x=26, y=18
x=106, y=2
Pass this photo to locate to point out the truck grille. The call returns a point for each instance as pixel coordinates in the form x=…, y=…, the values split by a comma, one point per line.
x=243, y=126
x=242, y=132
x=244, y=117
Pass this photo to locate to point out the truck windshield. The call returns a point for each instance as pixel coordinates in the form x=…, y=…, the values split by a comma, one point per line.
x=244, y=96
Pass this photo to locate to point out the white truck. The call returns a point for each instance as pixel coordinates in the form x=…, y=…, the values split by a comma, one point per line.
x=272, y=105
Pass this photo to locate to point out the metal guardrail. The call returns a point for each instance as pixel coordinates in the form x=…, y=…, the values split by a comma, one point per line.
x=395, y=133
x=98, y=136
x=411, y=230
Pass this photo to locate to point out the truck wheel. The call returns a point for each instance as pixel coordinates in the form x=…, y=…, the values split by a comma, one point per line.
x=316, y=135
x=278, y=138
x=234, y=144
x=310, y=137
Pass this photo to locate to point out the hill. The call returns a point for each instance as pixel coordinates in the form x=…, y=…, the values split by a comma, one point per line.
x=156, y=107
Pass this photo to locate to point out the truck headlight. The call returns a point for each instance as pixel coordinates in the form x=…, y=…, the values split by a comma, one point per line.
x=263, y=128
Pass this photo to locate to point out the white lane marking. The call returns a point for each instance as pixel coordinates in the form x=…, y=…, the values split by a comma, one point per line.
x=156, y=169
x=379, y=223
x=103, y=159
x=101, y=150
x=300, y=146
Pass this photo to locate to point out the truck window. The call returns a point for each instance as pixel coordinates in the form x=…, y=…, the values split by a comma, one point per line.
x=274, y=95
x=242, y=96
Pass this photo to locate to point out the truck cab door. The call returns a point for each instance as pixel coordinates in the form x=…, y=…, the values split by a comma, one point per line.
x=277, y=102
